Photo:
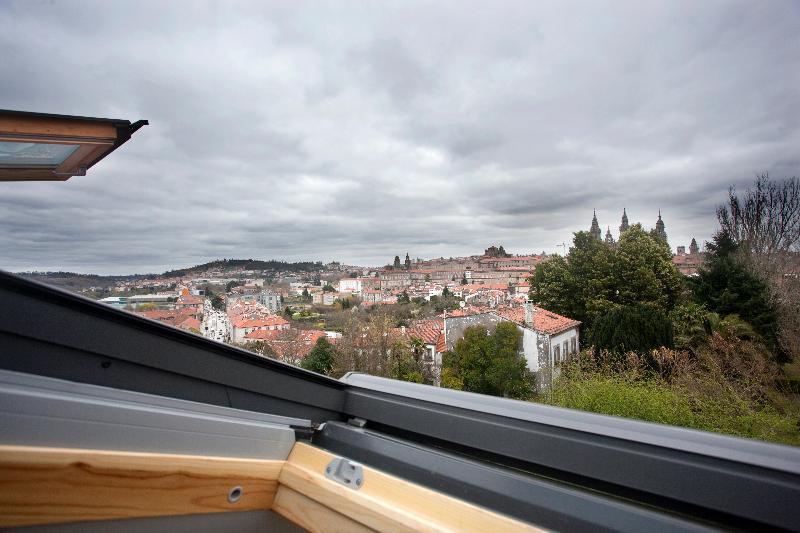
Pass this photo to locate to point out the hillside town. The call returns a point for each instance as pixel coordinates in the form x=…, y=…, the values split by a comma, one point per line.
x=282, y=313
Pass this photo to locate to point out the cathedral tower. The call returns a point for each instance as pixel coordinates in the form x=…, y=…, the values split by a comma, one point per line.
x=660, y=231
x=595, y=230
x=609, y=237
x=624, y=225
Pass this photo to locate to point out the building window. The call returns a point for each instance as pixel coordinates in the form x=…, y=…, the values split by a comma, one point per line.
x=556, y=355
x=565, y=347
x=574, y=345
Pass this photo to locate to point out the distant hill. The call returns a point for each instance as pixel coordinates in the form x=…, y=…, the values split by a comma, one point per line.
x=246, y=264
x=77, y=282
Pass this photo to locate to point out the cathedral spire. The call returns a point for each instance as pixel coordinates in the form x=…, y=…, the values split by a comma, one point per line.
x=624, y=225
x=609, y=237
x=660, y=231
x=595, y=230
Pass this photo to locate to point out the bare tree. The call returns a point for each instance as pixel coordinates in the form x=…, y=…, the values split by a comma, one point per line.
x=766, y=220
x=765, y=223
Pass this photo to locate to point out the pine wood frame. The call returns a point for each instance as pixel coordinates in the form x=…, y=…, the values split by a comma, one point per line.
x=95, y=138
x=57, y=485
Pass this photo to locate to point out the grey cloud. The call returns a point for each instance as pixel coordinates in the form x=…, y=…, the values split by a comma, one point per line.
x=337, y=131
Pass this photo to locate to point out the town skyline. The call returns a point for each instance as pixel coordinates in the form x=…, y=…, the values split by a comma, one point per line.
x=378, y=262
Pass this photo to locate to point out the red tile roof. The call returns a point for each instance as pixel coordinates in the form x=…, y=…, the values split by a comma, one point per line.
x=484, y=287
x=296, y=343
x=265, y=334
x=543, y=321
x=190, y=323
x=427, y=331
x=260, y=322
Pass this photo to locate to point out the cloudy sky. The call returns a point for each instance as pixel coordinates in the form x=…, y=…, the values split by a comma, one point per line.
x=355, y=131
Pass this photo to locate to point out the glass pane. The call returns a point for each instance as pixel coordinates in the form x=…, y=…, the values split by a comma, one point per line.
x=26, y=154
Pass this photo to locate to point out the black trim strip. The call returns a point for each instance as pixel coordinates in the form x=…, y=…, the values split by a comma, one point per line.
x=651, y=474
x=542, y=502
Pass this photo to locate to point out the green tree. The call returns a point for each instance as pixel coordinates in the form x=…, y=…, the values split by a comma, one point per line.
x=464, y=279
x=403, y=298
x=596, y=278
x=217, y=302
x=638, y=328
x=489, y=364
x=305, y=295
x=691, y=324
x=725, y=286
x=328, y=288
x=321, y=357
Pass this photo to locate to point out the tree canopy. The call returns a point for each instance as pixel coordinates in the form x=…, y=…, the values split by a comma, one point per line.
x=321, y=357
x=726, y=286
x=635, y=328
x=596, y=278
x=489, y=363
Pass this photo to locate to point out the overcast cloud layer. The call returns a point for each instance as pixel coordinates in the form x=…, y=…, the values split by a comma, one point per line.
x=357, y=131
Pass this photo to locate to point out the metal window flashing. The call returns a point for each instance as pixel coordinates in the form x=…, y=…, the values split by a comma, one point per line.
x=39, y=411
x=756, y=453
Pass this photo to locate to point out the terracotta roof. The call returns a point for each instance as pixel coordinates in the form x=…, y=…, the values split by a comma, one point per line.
x=467, y=311
x=298, y=343
x=171, y=316
x=441, y=346
x=265, y=334
x=485, y=287
x=189, y=299
x=544, y=321
x=260, y=322
x=190, y=323
x=427, y=331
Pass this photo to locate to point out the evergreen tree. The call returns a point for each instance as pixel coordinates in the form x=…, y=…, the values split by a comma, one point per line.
x=321, y=357
x=727, y=287
x=638, y=328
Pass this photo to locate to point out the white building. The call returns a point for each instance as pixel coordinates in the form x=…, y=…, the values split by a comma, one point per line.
x=350, y=285
x=548, y=339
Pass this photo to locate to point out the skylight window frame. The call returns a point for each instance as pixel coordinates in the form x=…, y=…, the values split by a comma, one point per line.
x=95, y=137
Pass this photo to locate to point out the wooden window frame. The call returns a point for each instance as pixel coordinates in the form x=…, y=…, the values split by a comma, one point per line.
x=95, y=138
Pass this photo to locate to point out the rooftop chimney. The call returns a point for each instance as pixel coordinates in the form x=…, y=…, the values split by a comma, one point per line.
x=530, y=312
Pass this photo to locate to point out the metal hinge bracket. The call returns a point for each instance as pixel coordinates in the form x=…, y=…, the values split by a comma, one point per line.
x=345, y=472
